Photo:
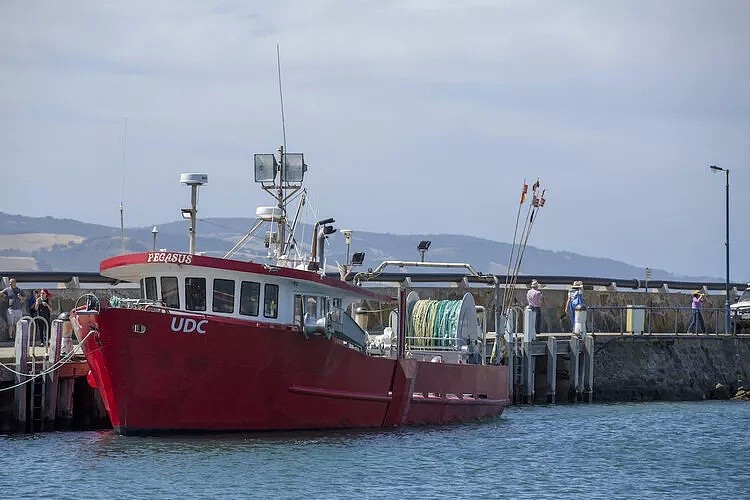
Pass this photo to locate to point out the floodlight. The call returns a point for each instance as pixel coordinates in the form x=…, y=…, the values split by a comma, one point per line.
x=265, y=167
x=422, y=247
x=294, y=167
x=358, y=258
x=186, y=213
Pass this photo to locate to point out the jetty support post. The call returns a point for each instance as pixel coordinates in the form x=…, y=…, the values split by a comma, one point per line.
x=22, y=370
x=52, y=378
x=574, y=372
x=551, y=369
x=588, y=367
x=528, y=371
x=64, y=406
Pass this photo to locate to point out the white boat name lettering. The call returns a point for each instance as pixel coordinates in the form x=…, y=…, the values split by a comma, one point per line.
x=188, y=325
x=169, y=257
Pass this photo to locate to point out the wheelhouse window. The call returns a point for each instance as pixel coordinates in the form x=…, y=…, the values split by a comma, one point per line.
x=195, y=294
x=249, y=298
x=223, y=296
x=170, y=294
x=149, y=285
x=271, y=301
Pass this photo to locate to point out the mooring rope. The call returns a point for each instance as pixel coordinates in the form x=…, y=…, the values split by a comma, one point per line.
x=53, y=367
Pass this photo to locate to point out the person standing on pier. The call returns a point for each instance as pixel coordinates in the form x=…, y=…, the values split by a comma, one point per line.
x=43, y=310
x=535, y=298
x=697, y=318
x=575, y=299
x=31, y=302
x=15, y=302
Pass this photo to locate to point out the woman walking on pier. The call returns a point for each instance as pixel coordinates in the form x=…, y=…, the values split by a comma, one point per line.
x=697, y=319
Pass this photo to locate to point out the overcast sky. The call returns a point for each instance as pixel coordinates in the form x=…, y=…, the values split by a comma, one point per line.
x=414, y=116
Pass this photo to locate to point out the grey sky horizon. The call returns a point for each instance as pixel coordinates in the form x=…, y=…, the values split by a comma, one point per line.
x=414, y=116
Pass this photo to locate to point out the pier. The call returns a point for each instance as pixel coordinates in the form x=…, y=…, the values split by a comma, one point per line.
x=44, y=388
x=551, y=368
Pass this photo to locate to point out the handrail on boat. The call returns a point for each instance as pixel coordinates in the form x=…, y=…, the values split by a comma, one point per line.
x=406, y=263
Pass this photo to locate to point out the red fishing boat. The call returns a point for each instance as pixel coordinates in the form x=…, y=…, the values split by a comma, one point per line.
x=222, y=344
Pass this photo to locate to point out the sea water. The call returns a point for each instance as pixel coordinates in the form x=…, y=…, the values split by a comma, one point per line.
x=646, y=450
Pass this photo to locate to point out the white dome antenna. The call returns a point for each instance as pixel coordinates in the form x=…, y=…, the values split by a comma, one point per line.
x=194, y=179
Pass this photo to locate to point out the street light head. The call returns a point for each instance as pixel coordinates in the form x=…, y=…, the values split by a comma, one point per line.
x=714, y=168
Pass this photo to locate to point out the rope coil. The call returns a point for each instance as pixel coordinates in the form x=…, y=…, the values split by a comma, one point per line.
x=434, y=323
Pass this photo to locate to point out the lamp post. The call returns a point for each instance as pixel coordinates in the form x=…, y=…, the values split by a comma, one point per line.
x=715, y=168
x=423, y=246
x=154, y=231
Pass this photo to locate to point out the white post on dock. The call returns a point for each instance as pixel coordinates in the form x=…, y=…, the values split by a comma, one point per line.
x=529, y=323
x=580, y=321
x=22, y=368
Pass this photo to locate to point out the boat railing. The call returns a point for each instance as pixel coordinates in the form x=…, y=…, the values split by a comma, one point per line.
x=147, y=305
x=402, y=264
x=425, y=343
x=126, y=303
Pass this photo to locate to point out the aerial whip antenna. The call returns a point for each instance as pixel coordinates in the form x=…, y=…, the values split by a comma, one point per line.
x=281, y=97
x=122, y=186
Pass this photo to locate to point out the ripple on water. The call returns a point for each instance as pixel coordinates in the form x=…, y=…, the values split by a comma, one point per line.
x=646, y=450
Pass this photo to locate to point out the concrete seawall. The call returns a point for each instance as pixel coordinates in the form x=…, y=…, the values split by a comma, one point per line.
x=651, y=368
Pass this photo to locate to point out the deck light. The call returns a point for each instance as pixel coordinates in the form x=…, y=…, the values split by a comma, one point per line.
x=358, y=258
x=423, y=246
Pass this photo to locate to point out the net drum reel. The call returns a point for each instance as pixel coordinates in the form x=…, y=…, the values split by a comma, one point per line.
x=443, y=330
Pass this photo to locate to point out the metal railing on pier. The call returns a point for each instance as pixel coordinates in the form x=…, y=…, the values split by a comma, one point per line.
x=653, y=319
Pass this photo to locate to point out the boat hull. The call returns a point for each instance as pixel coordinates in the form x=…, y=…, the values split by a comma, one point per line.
x=160, y=372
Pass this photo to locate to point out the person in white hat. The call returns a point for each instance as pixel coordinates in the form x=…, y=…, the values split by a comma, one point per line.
x=575, y=299
x=535, y=298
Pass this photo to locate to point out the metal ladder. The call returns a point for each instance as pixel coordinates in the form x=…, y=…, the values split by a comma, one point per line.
x=36, y=396
x=36, y=400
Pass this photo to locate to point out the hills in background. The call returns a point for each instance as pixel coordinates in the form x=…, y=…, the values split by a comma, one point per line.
x=49, y=244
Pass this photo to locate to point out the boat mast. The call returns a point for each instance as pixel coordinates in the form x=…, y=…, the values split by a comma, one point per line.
x=281, y=242
x=192, y=180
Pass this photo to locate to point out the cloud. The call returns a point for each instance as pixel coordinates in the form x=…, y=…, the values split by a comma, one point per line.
x=415, y=116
